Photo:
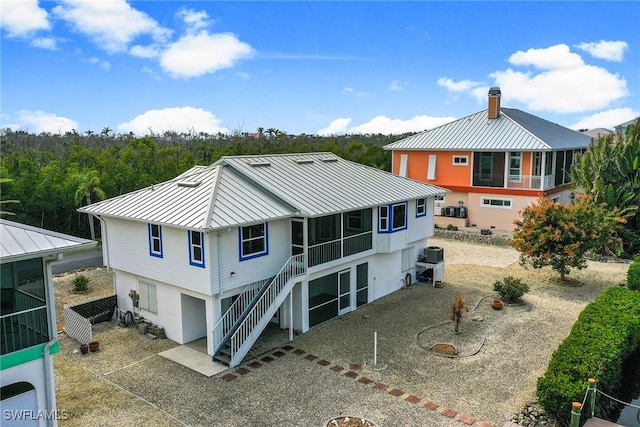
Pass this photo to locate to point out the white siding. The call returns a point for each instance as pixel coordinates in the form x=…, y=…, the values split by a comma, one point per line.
x=129, y=251
x=172, y=315
x=252, y=270
x=34, y=373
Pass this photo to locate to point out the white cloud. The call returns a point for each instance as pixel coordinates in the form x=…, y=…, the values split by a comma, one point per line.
x=179, y=119
x=112, y=24
x=44, y=43
x=105, y=65
x=384, y=125
x=550, y=58
x=585, y=88
x=397, y=85
x=336, y=127
x=146, y=52
x=23, y=18
x=606, y=119
x=196, y=54
x=347, y=89
x=554, y=80
x=41, y=121
x=461, y=86
x=609, y=50
x=195, y=20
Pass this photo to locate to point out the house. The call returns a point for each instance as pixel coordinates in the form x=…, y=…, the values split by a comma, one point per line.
x=28, y=323
x=598, y=133
x=495, y=162
x=222, y=250
x=621, y=129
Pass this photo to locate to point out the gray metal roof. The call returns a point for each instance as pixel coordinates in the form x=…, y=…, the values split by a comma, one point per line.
x=513, y=130
x=20, y=241
x=240, y=190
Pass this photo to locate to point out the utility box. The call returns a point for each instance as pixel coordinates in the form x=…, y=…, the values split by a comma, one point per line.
x=433, y=254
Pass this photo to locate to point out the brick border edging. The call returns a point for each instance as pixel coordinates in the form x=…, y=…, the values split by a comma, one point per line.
x=353, y=373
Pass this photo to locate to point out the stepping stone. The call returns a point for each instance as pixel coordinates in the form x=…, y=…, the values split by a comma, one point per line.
x=351, y=374
x=412, y=399
x=278, y=354
x=287, y=348
x=395, y=392
x=242, y=371
x=324, y=362
x=267, y=359
x=310, y=357
x=468, y=420
x=336, y=368
x=228, y=377
x=355, y=366
x=365, y=380
x=448, y=412
x=381, y=386
x=298, y=352
x=432, y=406
x=255, y=365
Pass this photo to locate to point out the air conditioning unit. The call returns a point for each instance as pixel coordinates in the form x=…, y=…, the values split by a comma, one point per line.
x=437, y=210
x=433, y=254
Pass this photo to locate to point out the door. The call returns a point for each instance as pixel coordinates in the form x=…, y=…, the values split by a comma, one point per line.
x=344, y=292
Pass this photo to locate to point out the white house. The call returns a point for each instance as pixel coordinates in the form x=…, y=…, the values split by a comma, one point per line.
x=220, y=251
x=28, y=336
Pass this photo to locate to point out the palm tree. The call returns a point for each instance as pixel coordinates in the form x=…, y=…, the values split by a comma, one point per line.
x=89, y=184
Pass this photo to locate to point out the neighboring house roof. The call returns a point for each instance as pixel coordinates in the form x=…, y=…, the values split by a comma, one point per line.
x=21, y=241
x=513, y=130
x=248, y=189
x=623, y=126
x=597, y=132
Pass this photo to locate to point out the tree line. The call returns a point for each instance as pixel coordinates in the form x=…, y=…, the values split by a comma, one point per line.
x=45, y=177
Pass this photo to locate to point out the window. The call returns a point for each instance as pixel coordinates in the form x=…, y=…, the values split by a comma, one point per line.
x=460, y=160
x=440, y=199
x=155, y=240
x=196, y=248
x=383, y=218
x=148, y=296
x=253, y=241
x=356, y=222
x=514, y=165
x=496, y=203
x=392, y=218
x=421, y=207
x=362, y=284
x=486, y=166
x=548, y=163
x=399, y=216
x=537, y=163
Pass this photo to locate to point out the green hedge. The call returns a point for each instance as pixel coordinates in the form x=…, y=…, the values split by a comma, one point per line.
x=605, y=334
x=633, y=275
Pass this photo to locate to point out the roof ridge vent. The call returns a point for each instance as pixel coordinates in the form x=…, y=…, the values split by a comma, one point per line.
x=330, y=160
x=259, y=164
x=189, y=184
x=304, y=161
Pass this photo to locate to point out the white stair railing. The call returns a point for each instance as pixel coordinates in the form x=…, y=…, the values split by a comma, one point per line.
x=224, y=327
x=254, y=322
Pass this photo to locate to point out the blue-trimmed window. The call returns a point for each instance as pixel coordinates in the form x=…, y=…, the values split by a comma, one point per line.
x=196, y=248
x=421, y=207
x=155, y=240
x=254, y=241
x=392, y=218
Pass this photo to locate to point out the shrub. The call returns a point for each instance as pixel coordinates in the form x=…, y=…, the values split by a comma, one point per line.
x=511, y=289
x=633, y=275
x=606, y=333
x=80, y=283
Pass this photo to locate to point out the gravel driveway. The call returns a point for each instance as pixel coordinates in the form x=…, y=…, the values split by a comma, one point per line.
x=302, y=385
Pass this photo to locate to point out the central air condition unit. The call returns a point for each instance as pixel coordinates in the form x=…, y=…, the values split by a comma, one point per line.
x=433, y=254
x=437, y=211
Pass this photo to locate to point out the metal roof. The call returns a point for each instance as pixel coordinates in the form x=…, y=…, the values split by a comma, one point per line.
x=513, y=130
x=20, y=241
x=240, y=190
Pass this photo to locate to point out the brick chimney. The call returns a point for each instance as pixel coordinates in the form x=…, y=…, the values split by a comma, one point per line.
x=494, y=102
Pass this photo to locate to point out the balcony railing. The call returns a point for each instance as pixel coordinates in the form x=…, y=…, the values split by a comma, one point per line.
x=336, y=249
x=524, y=182
x=23, y=329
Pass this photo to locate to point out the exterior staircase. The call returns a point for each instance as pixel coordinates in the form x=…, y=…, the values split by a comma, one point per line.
x=239, y=328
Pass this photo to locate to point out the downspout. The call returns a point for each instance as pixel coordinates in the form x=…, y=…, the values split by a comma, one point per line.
x=53, y=334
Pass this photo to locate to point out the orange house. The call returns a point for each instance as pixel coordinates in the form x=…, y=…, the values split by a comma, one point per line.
x=495, y=162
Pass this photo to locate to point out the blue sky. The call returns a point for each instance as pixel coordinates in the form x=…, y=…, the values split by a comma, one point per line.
x=312, y=67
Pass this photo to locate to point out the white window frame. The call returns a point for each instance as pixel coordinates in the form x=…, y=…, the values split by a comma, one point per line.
x=155, y=238
x=148, y=296
x=421, y=207
x=192, y=246
x=516, y=157
x=264, y=237
x=393, y=217
x=383, y=217
x=485, y=202
x=460, y=160
x=440, y=199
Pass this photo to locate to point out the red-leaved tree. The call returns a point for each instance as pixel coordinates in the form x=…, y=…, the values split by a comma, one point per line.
x=560, y=236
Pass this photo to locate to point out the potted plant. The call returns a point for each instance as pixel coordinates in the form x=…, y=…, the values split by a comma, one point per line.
x=458, y=308
x=84, y=349
x=497, y=304
x=94, y=346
